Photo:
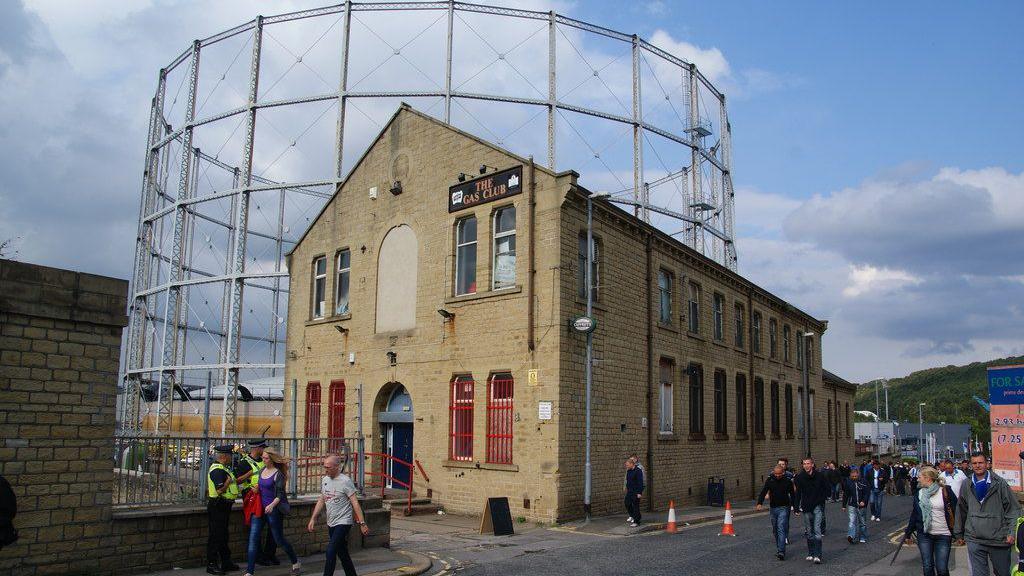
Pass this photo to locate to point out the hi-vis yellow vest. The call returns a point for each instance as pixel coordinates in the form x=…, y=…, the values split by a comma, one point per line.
x=232, y=491
x=1017, y=570
x=254, y=479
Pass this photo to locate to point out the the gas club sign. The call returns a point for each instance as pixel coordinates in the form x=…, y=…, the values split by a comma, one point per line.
x=485, y=189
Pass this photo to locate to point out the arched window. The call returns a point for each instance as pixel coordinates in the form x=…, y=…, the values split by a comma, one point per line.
x=396, y=280
x=504, y=272
x=500, y=393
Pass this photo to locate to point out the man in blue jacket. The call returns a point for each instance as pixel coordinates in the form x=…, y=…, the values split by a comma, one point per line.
x=855, y=498
x=877, y=478
x=634, y=491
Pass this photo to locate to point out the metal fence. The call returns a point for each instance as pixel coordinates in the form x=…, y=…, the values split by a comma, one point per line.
x=169, y=470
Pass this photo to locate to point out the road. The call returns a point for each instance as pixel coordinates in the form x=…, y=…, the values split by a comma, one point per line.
x=699, y=550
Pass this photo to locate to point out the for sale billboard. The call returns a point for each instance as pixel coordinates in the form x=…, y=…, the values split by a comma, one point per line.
x=1006, y=397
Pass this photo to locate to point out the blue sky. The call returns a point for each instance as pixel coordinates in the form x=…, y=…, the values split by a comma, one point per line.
x=877, y=148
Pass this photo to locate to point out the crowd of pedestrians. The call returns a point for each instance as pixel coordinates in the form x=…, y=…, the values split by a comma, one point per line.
x=963, y=503
x=259, y=477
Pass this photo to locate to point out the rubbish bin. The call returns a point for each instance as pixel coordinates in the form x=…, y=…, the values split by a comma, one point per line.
x=716, y=491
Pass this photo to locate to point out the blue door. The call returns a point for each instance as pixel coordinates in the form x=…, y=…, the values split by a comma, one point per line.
x=400, y=446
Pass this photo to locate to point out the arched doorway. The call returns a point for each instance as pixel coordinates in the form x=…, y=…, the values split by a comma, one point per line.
x=396, y=417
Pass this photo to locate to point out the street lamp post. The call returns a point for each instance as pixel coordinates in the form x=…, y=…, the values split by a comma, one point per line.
x=885, y=386
x=589, y=369
x=920, y=431
x=807, y=394
x=878, y=412
x=942, y=426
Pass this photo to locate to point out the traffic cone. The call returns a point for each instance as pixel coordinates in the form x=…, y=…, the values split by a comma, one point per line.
x=671, y=526
x=727, y=527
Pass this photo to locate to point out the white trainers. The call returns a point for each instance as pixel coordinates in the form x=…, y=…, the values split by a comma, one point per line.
x=633, y=524
x=863, y=541
x=629, y=520
x=809, y=558
x=817, y=560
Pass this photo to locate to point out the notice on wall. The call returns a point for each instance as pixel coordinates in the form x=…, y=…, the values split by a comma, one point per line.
x=532, y=378
x=1006, y=396
x=544, y=410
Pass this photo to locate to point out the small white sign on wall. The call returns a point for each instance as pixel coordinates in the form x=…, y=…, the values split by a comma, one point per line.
x=544, y=410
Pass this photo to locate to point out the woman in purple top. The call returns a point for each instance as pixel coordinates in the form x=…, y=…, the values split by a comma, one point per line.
x=272, y=482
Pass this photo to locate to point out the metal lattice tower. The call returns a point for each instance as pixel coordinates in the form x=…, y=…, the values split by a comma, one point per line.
x=227, y=187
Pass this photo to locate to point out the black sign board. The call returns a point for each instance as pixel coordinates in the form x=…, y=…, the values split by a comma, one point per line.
x=496, y=517
x=485, y=189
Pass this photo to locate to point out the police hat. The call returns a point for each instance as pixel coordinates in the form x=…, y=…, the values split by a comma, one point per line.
x=258, y=443
x=224, y=449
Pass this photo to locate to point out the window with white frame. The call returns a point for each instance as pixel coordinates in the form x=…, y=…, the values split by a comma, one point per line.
x=341, y=285
x=719, y=309
x=319, y=286
x=504, y=273
x=667, y=376
x=465, y=256
x=694, y=305
x=665, y=296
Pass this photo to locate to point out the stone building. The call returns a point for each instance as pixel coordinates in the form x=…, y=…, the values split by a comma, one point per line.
x=445, y=301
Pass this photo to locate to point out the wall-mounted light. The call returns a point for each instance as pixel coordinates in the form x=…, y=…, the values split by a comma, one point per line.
x=446, y=314
x=341, y=329
x=484, y=167
x=396, y=187
x=393, y=358
x=462, y=176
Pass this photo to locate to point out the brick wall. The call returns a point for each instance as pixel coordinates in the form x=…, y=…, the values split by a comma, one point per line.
x=60, y=339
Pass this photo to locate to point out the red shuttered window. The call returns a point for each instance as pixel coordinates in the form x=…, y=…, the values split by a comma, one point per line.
x=500, y=392
x=336, y=413
x=312, y=413
x=460, y=445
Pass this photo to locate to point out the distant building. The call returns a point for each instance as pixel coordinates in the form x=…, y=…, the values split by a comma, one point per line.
x=949, y=439
x=448, y=301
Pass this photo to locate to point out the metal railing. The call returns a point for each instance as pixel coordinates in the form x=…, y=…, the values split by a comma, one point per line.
x=171, y=470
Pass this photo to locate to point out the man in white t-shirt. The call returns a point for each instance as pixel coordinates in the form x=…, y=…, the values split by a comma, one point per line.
x=953, y=477
x=338, y=495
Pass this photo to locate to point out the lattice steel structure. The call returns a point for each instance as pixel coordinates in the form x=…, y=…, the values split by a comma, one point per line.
x=219, y=209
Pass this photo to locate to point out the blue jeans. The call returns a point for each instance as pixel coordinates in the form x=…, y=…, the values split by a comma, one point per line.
x=812, y=530
x=276, y=522
x=858, y=522
x=934, y=553
x=337, y=548
x=780, y=527
x=877, y=496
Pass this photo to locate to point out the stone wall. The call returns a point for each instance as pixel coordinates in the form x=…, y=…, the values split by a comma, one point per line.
x=60, y=338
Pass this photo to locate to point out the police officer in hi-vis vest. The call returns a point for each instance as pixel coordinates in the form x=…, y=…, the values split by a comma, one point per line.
x=248, y=473
x=221, y=491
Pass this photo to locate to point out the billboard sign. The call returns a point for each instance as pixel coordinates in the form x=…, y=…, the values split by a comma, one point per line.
x=1006, y=396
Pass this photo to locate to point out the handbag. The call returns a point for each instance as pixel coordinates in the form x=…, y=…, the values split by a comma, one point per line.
x=252, y=505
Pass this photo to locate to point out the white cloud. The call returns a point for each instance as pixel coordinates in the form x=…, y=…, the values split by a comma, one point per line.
x=870, y=279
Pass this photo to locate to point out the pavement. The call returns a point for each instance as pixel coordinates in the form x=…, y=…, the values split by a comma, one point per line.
x=370, y=562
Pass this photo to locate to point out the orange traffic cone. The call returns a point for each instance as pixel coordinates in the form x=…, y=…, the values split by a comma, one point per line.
x=671, y=526
x=727, y=527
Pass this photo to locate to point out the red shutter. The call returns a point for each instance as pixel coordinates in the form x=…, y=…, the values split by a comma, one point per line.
x=500, y=391
x=336, y=414
x=460, y=445
x=312, y=414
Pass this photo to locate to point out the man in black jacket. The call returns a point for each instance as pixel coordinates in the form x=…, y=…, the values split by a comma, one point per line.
x=811, y=491
x=779, y=489
x=634, y=491
x=877, y=477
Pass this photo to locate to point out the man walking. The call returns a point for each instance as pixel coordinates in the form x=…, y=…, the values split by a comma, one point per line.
x=877, y=478
x=914, y=470
x=634, y=491
x=221, y=491
x=953, y=477
x=986, y=517
x=811, y=491
x=338, y=496
x=855, y=498
x=779, y=490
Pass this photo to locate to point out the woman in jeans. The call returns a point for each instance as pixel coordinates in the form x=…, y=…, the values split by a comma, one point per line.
x=272, y=482
x=932, y=519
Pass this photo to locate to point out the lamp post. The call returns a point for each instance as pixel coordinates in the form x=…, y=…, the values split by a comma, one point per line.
x=920, y=431
x=807, y=394
x=885, y=386
x=878, y=415
x=899, y=447
x=942, y=426
x=589, y=369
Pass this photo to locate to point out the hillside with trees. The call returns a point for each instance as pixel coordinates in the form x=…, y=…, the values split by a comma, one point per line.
x=948, y=392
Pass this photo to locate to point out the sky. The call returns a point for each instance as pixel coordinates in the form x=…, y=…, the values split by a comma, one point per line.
x=877, y=152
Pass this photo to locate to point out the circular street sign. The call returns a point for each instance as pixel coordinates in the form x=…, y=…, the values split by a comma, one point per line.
x=584, y=324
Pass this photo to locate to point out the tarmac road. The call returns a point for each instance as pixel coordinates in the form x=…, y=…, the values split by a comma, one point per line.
x=701, y=551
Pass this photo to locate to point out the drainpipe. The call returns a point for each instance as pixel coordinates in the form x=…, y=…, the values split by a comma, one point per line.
x=650, y=377
x=750, y=390
x=531, y=208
